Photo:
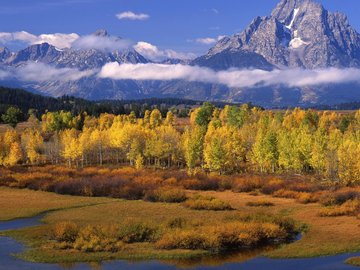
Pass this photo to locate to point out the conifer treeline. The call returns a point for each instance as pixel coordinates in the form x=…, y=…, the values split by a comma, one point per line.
x=38, y=104
x=230, y=140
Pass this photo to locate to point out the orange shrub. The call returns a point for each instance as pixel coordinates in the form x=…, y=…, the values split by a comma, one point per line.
x=349, y=208
x=260, y=204
x=283, y=193
x=65, y=232
x=272, y=186
x=248, y=184
x=98, y=238
x=166, y=194
x=233, y=235
x=338, y=197
x=207, y=203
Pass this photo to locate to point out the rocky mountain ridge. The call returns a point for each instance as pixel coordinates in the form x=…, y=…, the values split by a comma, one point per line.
x=298, y=34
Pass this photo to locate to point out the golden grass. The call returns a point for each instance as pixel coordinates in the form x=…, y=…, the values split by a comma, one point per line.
x=324, y=236
x=18, y=203
x=354, y=261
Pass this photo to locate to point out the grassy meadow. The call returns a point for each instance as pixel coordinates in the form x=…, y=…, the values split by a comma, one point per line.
x=153, y=229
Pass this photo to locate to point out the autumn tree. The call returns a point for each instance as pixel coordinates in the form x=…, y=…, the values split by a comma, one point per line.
x=170, y=119
x=32, y=143
x=349, y=159
x=70, y=146
x=14, y=156
x=155, y=118
x=192, y=145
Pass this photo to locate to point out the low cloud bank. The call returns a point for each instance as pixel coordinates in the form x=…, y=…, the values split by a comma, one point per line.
x=102, y=43
x=40, y=72
x=230, y=78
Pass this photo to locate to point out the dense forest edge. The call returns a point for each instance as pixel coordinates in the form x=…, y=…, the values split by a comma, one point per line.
x=37, y=104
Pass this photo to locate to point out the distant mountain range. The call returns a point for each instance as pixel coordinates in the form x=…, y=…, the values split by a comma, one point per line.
x=298, y=34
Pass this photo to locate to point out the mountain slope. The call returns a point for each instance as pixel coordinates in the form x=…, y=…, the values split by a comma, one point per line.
x=299, y=33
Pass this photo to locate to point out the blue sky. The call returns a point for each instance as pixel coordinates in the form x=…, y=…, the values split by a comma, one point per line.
x=172, y=24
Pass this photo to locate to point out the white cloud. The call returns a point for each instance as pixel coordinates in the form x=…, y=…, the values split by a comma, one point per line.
x=216, y=11
x=103, y=43
x=154, y=53
x=59, y=40
x=40, y=72
x=209, y=41
x=129, y=15
x=4, y=74
x=206, y=41
x=231, y=78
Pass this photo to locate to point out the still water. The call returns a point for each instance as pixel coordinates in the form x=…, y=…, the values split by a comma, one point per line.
x=244, y=261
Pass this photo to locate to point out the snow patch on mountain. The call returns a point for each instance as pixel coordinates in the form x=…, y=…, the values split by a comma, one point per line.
x=296, y=43
x=290, y=25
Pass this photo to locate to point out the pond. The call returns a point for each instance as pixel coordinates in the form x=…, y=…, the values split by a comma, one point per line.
x=247, y=260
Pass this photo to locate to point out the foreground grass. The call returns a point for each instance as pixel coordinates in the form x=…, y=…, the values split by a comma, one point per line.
x=323, y=236
x=354, y=261
x=19, y=203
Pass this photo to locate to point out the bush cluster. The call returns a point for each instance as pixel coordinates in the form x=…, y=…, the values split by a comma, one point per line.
x=199, y=202
x=348, y=208
x=238, y=232
x=100, y=238
x=260, y=204
x=166, y=194
x=229, y=236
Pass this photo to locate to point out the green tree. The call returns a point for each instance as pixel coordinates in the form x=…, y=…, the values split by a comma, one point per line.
x=12, y=116
x=204, y=115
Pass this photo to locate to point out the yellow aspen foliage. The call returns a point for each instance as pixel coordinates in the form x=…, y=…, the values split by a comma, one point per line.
x=99, y=141
x=155, y=118
x=192, y=145
x=70, y=145
x=146, y=119
x=214, y=150
x=163, y=145
x=193, y=116
x=32, y=142
x=349, y=161
x=318, y=159
x=170, y=119
x=14, y=156
x=105, y=121
x=10, y=137
x=139, y=162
